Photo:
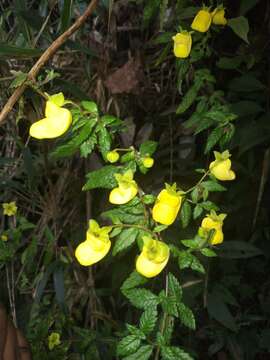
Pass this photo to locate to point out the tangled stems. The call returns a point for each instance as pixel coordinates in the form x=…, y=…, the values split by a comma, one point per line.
x=140, y=227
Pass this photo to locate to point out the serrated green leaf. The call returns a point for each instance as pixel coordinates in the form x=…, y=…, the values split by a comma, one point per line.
x=197, y=211
x=104, y=141
x=209, y=205
x=187, y=260
x=240, y=27
x=195, y=194
x=128, y=345
x=211, y=185
x=169, y=304
x=185, y=214
x=213, y=139
x=208, y=252
x=133, y=280
x=101, y=178
x=148, y=320
x=126, y=238
x=160, y=228
x=88, y=146
x=141, y=298
x=143, y=353
x=90, y=106
x=133, y=330
x=19, y=79
x=174, y=353
x=174, y=287
x=148, y=148
x=186, y=316
x=189, y=98
x=109, y=120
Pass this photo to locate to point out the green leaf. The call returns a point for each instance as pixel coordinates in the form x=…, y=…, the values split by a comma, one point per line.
x=73, y=145
x=101, y=178
x=133, y=280
x=66, y=12
x=133, y=330
x=90, y=106
x=128, y=345
x=15, y=51
x=143, y=353
x=148, y=148
x=141, y=298
x=185, y=214
x=148, y=199
x=187, y=260
x=174, y=287
x=104, y=141
x=213, y=139
x=218, y=310
x=247, y=5
x=160, y=228
x=88, y=146
x=125, y=240
x=148, y=320
x=208, y=252
x=238, y=250
x=19, y=79
x=174, y=353
x=169, y=303
x=211, y=185
x=246, y=83
x=189, y=98
x=228, y=63
x=240, y=27
x=186, y=316
x=109, y=120
x=151, y=8
x=197, y=211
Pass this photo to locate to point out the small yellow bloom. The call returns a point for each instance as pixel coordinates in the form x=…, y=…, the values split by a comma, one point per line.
x=167, y=206
x=221, y=167
x=53, y=340
x=182, y=44
x=112, y=156
x=213, y=222
x=56, y=122
x=153, y=258
x=10, y=209
x=4, y=237
x=96, y=246
x=218, y=16
x=127, y=189
x=202, y=20
x=148, y=162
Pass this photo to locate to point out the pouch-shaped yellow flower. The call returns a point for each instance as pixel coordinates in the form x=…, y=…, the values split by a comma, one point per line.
x=218, y=16
x=127, y=189
x=96, y=246
x=202, y=20
x=153, y=258
x=10, y=209
x=53, y=340
x=221, y=167
x=167, y=206
x=112, y=156
x=56, y=122
x=214, y=222
x=182, y=44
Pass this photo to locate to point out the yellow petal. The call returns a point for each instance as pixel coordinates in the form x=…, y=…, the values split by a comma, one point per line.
x=222, y=170
x=87, y=256
x=149, y=268
x=170, y=199
x=209, y=224
x=119, y=195
x=164, y=213
x=182, y=45
x=218, y=17
x=202, y=21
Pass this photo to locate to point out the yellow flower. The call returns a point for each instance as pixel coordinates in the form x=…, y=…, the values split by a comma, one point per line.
x=202, y=20
x=4, y=237
x=112, y=156
x=127, y=189
x=53, y=340
x=213, y=222
x=221, y=167
x=148, y=162
x=218, y=16
x=56, y=122
x=167, y=205
x=153, y=258
x=10, y=209
x=182, y=44
x=96, y=245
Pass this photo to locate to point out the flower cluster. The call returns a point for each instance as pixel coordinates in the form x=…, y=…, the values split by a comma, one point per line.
x=57, y=119
x=201, y=23
x=154, y=254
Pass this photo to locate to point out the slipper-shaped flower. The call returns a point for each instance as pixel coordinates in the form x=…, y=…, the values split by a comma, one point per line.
x=182, y=44
x=221, y=167
x=218, y=16
x=127, y=189
x=96, y=246
x=202, y=20
x=56, y=122
x=213, y=222
x=153, y=258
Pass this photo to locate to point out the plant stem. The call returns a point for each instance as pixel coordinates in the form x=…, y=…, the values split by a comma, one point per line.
x=198, y=183
x=135, y=226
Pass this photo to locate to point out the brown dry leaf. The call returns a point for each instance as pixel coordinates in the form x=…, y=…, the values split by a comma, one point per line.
x=125, y=79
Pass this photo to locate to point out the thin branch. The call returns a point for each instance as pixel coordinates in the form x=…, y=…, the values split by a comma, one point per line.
x=44, y=59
